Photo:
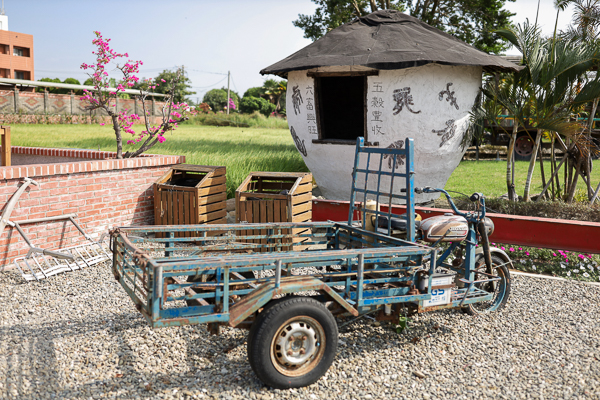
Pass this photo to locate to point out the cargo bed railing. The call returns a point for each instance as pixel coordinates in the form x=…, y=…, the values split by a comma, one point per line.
x=160, y=289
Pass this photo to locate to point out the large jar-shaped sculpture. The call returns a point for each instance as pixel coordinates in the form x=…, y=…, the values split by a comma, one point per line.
x=386, y=76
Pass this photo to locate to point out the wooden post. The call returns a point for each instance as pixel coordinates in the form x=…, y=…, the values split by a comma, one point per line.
x=16, y=98
x=5, y=156
x=72, y=101
x=45, y=101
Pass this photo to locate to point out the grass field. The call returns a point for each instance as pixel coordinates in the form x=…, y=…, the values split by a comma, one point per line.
x=243, y=150
x=489, y=177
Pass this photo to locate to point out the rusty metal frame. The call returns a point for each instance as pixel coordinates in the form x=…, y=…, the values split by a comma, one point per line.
x=513, y=229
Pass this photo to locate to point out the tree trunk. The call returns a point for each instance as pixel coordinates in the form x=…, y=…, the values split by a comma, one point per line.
x=569, y=166
x=541, y=156
x=555, y=173
x=373, y=6
x=552, y=166
x=510, y=185
x=566, y=172
x=534, y=153
x=591, y=118
x=118, y=136
x=587, y=165
x=586, y=175
x=595, y=195
x=573, y=187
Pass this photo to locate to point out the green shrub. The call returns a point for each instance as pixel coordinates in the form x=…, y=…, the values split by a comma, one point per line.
x=254, y=120
x=250, y=104
x=563, y=263
x=253, y=92
x=217, y=99
x=545, y=209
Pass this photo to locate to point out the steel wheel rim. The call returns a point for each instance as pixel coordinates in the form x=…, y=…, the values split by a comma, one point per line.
x=524, y=146
x=498, y=288
x=298, y=346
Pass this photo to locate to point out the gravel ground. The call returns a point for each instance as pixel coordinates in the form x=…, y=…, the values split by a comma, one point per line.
x=77, y=335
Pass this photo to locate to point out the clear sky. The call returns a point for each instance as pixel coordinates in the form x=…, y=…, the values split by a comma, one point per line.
x=208, y=37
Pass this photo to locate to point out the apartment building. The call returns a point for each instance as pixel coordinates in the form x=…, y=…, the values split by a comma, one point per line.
x=16, y=53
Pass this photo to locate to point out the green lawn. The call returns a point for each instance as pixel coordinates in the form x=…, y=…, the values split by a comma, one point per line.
x=489, y=177
x=241, y=150
x=244, y=150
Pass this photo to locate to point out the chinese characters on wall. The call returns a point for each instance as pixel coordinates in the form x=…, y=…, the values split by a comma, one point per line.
x=447, y=133
x=299, y=143
x=378, y=106
x=296, y=99
x=380, y=103
x=311, y=116
x=403, y=98
x=399, y=159
x=450, y=94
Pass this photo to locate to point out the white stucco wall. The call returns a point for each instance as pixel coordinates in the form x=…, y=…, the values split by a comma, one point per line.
x=393, y=114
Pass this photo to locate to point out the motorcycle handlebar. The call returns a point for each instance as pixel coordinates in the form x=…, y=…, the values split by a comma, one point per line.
x=475, y=197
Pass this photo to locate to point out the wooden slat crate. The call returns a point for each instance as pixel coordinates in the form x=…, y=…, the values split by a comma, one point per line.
x=190, y=195
x=275, y=197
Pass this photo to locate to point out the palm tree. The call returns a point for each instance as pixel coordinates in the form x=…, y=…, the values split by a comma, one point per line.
x=585, y=29
x=586, y=20
x=273, y=90
x=544, y=92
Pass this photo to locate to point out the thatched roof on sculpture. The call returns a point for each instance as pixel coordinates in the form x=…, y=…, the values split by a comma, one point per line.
x=386, y=40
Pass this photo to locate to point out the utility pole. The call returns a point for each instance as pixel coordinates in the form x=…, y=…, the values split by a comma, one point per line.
x=228, y=74
x=182, y=76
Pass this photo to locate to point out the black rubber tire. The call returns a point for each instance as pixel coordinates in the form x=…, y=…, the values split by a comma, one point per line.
x=299, y=317
x=266, y=307
x=211, y=278
x=501, y=288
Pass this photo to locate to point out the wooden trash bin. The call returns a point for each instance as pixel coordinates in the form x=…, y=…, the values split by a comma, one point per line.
x=191, y=195
x=275, y=197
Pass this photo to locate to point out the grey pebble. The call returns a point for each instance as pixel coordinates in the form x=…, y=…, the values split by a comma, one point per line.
x=78, y=335
x=418, y=374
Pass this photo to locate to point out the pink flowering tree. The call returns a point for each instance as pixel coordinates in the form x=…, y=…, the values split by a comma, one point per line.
x=104, y=97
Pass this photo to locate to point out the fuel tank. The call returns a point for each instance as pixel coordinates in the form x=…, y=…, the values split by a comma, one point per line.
x=454, y=227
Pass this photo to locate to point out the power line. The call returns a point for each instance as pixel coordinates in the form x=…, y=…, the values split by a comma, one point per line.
x=205, y=87
x=232, y=81
x=83, y=72
x=207, y=72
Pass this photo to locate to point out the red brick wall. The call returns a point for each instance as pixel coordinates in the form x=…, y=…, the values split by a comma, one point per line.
x=103, y=193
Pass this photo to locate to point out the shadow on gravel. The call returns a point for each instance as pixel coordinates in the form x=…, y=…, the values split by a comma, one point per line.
x=36, y=368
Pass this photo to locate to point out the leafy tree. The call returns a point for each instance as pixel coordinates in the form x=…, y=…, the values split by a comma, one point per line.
x=551, y=86
x=71, y=81
x=181, y=90
x=274, y=90
x=254, y=92
x=103, y=97
x=473, y=21
x=50, y=89
x=585, y=23
x=250, y=104
x=584, y=30
x=271, y=90
x=217, y=99
x=333, y=13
